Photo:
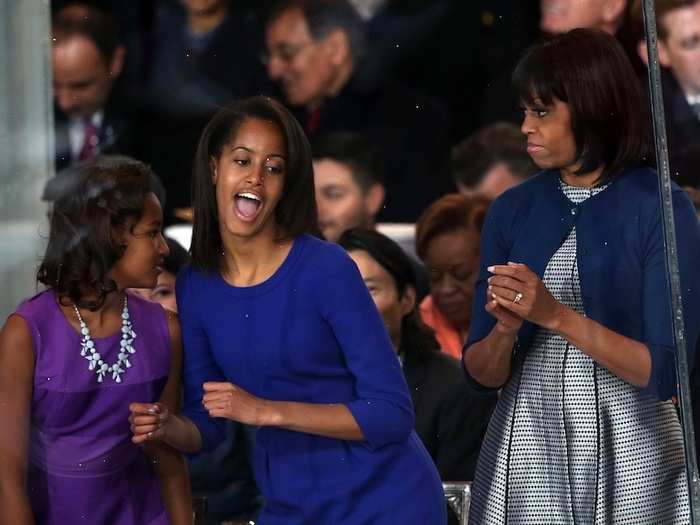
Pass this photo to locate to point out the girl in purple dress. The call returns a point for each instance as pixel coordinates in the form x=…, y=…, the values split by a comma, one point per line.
x=73, y=357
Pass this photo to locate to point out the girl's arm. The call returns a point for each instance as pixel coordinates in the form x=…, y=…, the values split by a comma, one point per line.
x=332, y=420
x=169, y=464
x=16, y=382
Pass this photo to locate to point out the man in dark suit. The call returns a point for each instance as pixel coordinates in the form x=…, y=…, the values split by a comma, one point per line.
x=87, y=60
x=679, y=54
x=315, y=52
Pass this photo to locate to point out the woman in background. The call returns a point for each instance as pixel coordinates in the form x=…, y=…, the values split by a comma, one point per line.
x=450, y=420
x=447, y=241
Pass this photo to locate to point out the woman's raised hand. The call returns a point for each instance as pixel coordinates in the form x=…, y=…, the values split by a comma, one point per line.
x=519, y=291
x=148, y=421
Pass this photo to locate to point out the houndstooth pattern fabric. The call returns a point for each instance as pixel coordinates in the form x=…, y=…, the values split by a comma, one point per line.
x=570, y=443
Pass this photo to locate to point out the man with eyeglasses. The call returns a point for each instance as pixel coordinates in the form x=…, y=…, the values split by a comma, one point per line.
x=315, y=50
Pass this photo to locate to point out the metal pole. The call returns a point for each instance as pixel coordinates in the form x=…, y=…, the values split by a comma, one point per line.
x=657, y=109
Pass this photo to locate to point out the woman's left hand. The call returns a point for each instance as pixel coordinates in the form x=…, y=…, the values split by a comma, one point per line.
x=232, y=402
x=517, y=288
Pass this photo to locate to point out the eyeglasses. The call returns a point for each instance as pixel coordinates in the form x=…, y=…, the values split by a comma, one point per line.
x=284, y=52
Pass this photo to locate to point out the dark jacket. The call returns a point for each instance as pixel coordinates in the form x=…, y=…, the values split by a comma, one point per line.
x=118, y=133
x=683, y=128
x=450, y=420
x=410, y=134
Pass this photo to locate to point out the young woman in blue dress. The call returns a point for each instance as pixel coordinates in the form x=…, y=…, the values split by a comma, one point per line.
x=280, y=332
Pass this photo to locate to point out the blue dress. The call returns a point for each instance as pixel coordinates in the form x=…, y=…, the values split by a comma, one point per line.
x=311, y=333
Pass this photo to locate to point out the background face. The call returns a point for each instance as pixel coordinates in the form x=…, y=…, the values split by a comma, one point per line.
x=680, y=51
x=383, y=290
x=560, y=16
x=339, y=199
x=81, y=79
x=300, y=64
x=452, y=263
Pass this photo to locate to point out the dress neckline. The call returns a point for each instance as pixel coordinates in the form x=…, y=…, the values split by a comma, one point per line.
x=272, y=281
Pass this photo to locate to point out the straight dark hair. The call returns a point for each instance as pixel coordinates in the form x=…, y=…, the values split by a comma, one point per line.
x=416, y=337
x=295, y=213
x=588, y=70
x=104, y=194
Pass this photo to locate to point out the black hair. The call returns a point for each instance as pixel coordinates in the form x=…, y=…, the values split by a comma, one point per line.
x=356, y=152
x=501, y=142
x=416, y=337
x=295, y=213
x=589, y=71
x=177, y=257
x=107, y=193
x=89, y=21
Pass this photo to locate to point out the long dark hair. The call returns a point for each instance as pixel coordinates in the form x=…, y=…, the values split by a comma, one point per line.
x=588, y=70
x=295, y=213
x=416, y=338
x=101, y=196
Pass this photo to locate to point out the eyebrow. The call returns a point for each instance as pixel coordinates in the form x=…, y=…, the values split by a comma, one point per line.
x=250, y=150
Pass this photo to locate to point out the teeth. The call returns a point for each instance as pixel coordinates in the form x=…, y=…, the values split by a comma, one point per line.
x=248, y=195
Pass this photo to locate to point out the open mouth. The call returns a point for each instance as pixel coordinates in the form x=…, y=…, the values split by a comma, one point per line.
x=247, y=205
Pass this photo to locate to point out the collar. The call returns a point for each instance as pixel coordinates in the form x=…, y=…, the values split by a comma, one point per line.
x=692, y=99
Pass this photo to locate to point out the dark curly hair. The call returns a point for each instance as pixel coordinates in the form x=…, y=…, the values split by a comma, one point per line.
x=416, y=337
x=106, y=194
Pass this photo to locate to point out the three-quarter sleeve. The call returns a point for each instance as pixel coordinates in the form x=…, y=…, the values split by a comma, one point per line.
x=382, y=407
x=494, y=250
x=198, y=364
x=658, y=328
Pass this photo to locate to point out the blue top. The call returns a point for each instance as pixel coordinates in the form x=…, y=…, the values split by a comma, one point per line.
x=620, y=257
x=311, y=333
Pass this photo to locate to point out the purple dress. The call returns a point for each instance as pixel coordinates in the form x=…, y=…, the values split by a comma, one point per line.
x=83, y=467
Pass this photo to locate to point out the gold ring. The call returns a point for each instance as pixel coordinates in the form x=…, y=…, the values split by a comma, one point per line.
x=518, y=298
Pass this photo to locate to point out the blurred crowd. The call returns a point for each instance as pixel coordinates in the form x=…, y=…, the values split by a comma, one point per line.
x=409, y=109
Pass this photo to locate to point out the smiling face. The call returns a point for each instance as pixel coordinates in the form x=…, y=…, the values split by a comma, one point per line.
x=249, y=178
x=382, y=287
x=142, y=261
x=550, y=138
x=452, y=263
x=680, y=50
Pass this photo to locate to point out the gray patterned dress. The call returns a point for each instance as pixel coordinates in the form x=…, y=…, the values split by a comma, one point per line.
x=570, y=442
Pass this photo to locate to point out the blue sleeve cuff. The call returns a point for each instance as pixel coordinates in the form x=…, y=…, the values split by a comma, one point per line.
x=381, y=422
x=662, y=380
x=211, y=430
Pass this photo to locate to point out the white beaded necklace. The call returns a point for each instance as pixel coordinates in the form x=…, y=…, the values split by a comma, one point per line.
x=88, y=351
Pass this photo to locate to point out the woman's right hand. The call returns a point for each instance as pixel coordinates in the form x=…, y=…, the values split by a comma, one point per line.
x=148, y=421
x=508, y=323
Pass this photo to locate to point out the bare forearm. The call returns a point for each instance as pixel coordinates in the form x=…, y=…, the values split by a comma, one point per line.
x=628, y=359
x=171, y=471
x=488, y=361
x=329, y=420
x=182, y=434
x=14, y=504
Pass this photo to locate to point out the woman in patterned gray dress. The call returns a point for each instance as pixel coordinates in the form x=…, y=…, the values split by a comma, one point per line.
x=571, y=315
